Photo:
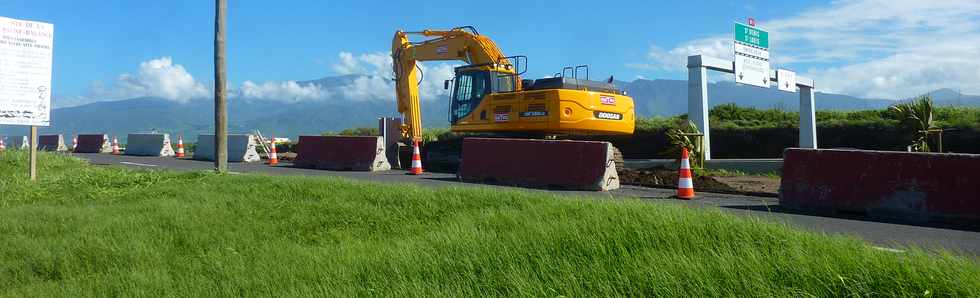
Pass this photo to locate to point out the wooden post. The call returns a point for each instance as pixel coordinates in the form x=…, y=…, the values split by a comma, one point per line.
x=220, y=101
x=33, y=154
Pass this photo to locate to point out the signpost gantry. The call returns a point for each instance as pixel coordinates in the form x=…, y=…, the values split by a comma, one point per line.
x=751, y=67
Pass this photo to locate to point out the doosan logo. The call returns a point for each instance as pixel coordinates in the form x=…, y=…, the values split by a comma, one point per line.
x=609, y=116
x=607, y=100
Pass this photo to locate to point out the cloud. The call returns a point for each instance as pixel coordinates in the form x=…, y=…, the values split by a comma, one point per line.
x=377, y=63
x=676, y=59
x=371, y=81
x=157, y=77
x=868, y=48
x=284, y=91
x=377, y=83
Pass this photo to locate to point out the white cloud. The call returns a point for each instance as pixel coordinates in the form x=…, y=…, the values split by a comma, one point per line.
x=377, y=84
x=373, y=82
x=284, y=91
x=162, y=78
x=869, y=48
x=369, y=87
x=157, y=77
x=676, y=58
x=378, y=64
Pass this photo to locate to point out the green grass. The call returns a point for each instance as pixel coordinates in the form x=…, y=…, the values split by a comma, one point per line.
x=95, y=231
x=733, y=173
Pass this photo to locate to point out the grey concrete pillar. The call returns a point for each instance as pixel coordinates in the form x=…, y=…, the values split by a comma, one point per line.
x=697, y=103
x=808, y=119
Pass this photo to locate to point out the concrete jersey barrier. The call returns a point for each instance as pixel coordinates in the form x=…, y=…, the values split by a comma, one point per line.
x=342, y=153
x=148, y=144
x=18, y=143
x=93, y=143
x=910, y=186
x=563, y=164
x=51, y=143
x=241, y=148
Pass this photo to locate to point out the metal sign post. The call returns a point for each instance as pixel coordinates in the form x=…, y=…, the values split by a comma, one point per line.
x=26, y=49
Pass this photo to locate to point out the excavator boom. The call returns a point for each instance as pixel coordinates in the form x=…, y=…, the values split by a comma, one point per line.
x=456, y=44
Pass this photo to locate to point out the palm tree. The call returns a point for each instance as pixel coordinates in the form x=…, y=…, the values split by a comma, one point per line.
x=917, y=117
x=687, y=135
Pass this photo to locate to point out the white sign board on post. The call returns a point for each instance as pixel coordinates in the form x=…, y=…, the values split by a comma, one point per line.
x=786, y=80
x=25, y=72
x=751, y=46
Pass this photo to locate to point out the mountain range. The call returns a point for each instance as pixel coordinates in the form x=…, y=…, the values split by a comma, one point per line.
x=305, y=117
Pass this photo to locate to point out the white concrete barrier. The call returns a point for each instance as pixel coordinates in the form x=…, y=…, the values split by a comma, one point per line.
x=241, y=148
x=148, y=144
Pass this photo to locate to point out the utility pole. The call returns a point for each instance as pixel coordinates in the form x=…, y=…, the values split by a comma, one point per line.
x=220, y=100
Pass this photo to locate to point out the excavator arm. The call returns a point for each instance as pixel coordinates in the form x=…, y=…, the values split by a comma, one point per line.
x=456, y=44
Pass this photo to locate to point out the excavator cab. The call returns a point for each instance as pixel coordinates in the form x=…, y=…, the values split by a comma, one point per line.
x=472, y=84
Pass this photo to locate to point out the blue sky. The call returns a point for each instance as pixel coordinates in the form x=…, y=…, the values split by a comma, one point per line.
x=117, y=49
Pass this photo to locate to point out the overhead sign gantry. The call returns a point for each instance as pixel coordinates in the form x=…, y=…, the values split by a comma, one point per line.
x=751, y=67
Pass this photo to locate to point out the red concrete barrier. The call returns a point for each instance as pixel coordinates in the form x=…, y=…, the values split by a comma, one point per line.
x=341, y=153
x=914, y=186
x=93, y=144
x=539, y=163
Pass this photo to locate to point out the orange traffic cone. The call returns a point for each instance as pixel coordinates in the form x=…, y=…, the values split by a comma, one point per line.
x=685, y=181
x=115, y=146
x=273, y=156
x=180, y=147
x=416, y=159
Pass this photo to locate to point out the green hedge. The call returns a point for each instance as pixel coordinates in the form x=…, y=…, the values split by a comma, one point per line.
x=739, y=132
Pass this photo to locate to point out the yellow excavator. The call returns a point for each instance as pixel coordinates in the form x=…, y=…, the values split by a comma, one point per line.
x=489, y=95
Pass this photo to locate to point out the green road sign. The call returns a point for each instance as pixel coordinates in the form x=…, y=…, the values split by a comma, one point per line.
x=751, y=35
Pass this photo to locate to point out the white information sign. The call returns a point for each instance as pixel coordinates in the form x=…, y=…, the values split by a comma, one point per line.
x=752, y=71
x=786, y=80
x=25, y=72
x=751, y=47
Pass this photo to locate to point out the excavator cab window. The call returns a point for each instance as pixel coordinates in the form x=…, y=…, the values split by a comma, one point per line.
x=471, y=87
x=505, y=82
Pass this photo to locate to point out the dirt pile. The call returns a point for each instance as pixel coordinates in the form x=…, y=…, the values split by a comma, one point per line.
x=664, y=177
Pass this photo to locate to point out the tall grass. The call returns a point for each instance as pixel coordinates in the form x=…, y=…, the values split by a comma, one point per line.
x=95, y=231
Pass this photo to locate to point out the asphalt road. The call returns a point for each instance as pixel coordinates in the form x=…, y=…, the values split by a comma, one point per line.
x=885, y=235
